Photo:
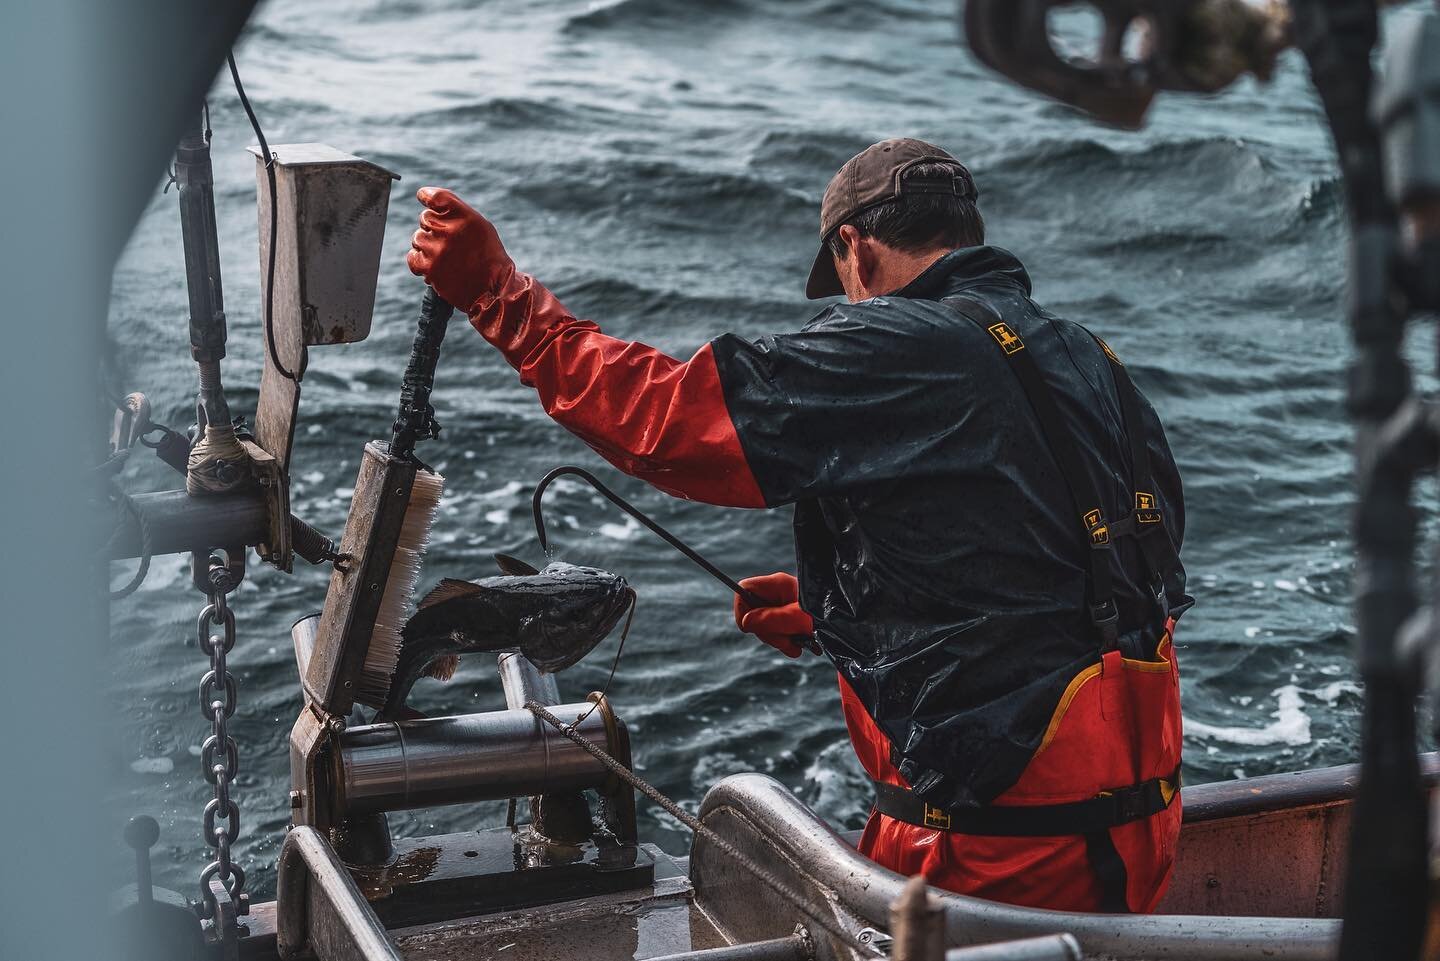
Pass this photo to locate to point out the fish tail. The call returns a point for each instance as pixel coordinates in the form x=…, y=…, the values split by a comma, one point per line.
x=443, y=668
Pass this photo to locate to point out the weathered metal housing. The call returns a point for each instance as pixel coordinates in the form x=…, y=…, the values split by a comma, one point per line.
x=331, y=211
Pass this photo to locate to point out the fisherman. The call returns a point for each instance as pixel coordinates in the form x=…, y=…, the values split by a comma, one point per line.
x=987, y=523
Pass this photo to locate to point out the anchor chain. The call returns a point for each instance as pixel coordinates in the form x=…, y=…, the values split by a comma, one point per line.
x=219, y=756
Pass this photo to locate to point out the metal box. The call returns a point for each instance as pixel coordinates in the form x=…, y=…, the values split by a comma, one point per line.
x=331, y=213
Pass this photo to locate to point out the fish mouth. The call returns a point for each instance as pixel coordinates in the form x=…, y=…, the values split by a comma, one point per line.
x=552, y=662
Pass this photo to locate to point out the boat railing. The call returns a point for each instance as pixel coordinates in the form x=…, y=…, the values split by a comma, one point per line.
x=321, y=911
x=766, y=822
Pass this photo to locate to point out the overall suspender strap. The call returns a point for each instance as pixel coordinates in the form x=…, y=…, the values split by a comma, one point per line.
x=1089, y=508
x=1091, y=818
x=1154, y=540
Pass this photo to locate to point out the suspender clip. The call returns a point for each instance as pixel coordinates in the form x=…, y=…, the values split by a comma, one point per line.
x=1106, y=618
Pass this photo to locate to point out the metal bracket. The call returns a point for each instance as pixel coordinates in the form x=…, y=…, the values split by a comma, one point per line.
x=223, y=930
x=132, y=419
x=618, y=809
x=1189, y=45
x=276, y=548
x=310, y=795
x=875, y=938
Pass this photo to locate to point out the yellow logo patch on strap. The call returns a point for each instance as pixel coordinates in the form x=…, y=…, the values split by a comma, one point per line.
x=1095, y=524
x=1008, y=340
x=1146, y=510
x=936, y=818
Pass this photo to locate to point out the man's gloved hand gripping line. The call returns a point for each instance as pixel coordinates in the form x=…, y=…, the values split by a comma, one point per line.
x=654, y=417
x=782, y=622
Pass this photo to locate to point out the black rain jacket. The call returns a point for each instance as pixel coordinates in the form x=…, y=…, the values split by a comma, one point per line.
x=937, y=547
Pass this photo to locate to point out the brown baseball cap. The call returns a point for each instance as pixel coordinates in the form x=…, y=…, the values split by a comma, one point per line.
x=874, y=176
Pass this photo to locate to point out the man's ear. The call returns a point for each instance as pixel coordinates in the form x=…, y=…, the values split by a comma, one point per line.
x=861, y=254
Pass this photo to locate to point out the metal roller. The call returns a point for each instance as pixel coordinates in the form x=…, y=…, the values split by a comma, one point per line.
x=524, y=682
x=473, y=757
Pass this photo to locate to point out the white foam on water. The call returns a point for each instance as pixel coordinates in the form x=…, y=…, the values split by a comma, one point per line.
x=500, y=516
x=152, y=765
x=1291, y=725
x=1330, y=693
x=619, y=532
x=502, y=493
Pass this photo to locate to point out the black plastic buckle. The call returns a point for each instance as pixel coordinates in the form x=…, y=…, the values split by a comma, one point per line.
x=1129, y=803
x=1105, y=613
x=1162, y=598
x=1106, y=617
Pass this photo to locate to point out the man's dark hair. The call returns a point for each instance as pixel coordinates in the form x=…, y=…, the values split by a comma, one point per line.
x=919, y=221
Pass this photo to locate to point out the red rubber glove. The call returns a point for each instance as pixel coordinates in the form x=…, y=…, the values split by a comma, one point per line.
x=458, y=251
x=782, y=625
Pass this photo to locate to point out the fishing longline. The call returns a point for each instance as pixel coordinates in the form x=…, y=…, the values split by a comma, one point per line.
x=624, y=633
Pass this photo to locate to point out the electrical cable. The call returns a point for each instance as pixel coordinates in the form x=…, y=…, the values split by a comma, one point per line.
x=274, y=231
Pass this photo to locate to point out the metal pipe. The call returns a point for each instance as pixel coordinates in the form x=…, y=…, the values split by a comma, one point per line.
x=562, y=817
x=1056, y=947
x=760, y=817
x=472, y=757
x=179, y=523
x=318, y=909
x=196, y=184
x=302, y=635
x=523, y=682
x=794, y=948
x=917, y=924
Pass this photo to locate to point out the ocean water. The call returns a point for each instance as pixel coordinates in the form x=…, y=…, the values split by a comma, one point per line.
x=659, y=164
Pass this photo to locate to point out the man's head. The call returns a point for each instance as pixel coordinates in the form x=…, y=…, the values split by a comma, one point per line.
x=890, y=212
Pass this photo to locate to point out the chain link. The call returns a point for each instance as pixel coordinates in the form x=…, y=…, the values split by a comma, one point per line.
x=219, y=756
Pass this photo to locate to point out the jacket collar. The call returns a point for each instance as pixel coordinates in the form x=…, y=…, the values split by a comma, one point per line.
x=965, y=268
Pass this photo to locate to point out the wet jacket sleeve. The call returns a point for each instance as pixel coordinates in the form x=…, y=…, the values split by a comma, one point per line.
x=654, y=417
x=670, y=422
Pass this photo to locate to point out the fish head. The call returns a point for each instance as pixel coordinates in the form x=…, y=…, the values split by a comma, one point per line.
x=582, y=606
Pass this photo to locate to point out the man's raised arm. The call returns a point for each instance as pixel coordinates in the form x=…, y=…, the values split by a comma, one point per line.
x=662, y=420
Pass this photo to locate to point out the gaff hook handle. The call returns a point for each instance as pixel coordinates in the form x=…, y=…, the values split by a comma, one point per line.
x=749, y=597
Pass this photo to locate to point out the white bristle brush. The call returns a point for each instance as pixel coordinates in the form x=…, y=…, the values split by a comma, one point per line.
x=383, y=654
x=414, y=422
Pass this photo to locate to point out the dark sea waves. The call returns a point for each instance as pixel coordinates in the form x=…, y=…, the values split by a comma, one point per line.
x=659, y=163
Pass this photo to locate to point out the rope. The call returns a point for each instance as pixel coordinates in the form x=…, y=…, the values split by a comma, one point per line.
x=763, y=875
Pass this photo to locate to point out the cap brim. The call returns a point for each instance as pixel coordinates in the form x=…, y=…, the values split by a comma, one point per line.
x=823, y=282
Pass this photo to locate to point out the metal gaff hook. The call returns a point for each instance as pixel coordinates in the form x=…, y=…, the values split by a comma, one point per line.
x=749, y=597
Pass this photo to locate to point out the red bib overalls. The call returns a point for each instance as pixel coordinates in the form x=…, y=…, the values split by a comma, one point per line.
x=1118, y=723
